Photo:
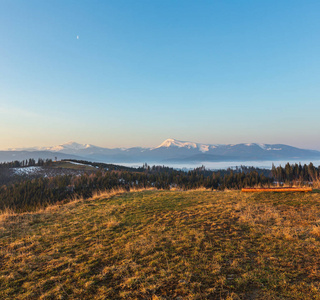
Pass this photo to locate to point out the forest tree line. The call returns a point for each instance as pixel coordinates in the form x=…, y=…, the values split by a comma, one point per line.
x=26, y=163
x=30, y=195
x=296, y=173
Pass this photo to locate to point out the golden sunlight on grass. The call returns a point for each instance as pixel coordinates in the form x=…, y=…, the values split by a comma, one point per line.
x=165, y=245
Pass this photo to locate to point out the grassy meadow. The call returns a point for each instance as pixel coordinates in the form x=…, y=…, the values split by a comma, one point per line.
x=73, y=166
x=165, y=245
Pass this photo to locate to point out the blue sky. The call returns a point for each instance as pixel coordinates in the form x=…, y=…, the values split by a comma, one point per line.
x=143, y=71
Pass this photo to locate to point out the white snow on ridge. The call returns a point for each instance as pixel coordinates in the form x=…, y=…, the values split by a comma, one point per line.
x=274, y=149
x=204, y=148
x=87, y=149
x=182, y=144
x=70, y=145
x=55, y=148
x=79, y=164
x=26, y=149
x=26, y=170
x=262, y=146
x=267, y=148
x=67, y=146
x=172, y=142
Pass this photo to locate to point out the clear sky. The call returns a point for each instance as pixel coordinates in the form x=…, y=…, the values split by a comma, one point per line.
x=134, y=73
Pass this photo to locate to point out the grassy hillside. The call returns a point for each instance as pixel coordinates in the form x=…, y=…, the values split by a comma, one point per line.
x=73, y=166
x=165, y=245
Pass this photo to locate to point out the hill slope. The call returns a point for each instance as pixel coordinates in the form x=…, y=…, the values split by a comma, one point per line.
x=165, y=245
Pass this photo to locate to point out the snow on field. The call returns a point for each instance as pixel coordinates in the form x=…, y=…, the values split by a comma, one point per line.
x=26, y=170
x=75, y=163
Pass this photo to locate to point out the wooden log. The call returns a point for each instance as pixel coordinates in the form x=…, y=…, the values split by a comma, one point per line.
x=277, y=189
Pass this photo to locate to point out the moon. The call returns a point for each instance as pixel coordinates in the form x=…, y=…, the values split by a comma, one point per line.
x=77, y=37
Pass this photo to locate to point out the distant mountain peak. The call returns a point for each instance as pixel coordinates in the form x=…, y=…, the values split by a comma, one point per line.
x=69, y=146
x=75, y=145
x=184, y=144
x=175, y=143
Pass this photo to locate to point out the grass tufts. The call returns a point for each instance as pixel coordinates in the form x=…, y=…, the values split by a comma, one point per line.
x=164, y=245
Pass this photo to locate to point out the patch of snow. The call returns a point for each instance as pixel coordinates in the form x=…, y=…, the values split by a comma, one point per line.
x=55, y=148
x=262, y=146
x=70, y=145
x=274, y=149
x=204, y=148
x=79, y=164
x=183, y=144
x=26, y=170
x=172, y=142
x=25, y=149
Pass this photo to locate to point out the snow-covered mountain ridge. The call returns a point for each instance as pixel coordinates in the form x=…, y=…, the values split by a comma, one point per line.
x=181, y=144
x=168, y=143
x=171, y=150
x=206, y=147
x=71, y=145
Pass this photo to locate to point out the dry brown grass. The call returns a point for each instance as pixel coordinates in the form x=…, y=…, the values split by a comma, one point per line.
x=165, y=245
x=316, y=184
